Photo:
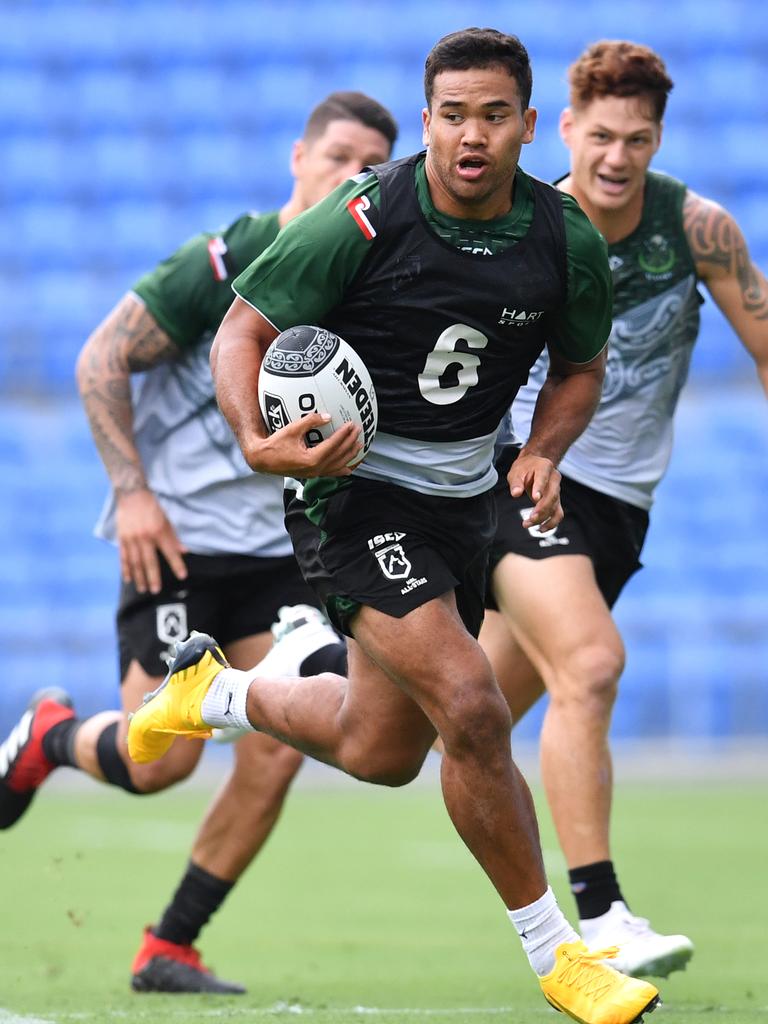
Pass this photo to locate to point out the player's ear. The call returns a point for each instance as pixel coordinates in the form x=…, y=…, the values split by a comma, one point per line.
x=529, y=120
x=425, y=123
x=659, y=134
x=297, y=156
x=566, y=125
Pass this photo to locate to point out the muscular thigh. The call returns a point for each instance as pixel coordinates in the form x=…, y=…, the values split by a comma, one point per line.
x=553, y=609
x=428, y=654
x=375, y=701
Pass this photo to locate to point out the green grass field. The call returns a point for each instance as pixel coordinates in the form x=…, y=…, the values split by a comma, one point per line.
x=363, y=907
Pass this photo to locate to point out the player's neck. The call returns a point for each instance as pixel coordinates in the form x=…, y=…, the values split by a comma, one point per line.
x=613, y=225
x=291, y=209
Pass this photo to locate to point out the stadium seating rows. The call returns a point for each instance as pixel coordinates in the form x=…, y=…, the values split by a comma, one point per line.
x=124, y=127
x=693, y=619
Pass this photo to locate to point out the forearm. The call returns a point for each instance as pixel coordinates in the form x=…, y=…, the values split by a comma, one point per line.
x=236, y=358
x=564, y=407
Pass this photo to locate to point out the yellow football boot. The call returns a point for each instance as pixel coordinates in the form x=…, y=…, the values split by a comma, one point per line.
x=174, y=708
x=591, y=992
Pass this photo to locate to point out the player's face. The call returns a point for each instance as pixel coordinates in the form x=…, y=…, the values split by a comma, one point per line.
x=344, y=148
x=475, y=129
x=612, y=141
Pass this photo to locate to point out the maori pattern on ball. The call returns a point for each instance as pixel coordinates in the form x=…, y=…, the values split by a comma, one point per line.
x=301, y=352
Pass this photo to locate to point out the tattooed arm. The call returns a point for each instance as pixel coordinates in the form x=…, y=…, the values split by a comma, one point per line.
x=128, y=341
x=738, y=287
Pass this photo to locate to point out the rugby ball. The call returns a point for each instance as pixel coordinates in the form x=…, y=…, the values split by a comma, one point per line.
x=308, y=369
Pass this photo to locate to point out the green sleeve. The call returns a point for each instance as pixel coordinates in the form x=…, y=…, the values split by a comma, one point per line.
x=189, y=293
x=581, y=330
x=181, y=291
x=308, y=268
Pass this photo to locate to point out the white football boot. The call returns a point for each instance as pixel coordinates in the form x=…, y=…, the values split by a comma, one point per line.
x=642, y=951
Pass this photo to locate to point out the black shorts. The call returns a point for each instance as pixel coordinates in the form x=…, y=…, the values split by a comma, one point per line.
x=376, y=544
x=229, y=596
x=608, y=531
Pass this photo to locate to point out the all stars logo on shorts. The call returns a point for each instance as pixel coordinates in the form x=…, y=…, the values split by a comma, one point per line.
x=393, y=561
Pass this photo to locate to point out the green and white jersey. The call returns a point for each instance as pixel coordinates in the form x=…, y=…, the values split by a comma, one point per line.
x=625, y=450
x=447, y=314
x=192, y=461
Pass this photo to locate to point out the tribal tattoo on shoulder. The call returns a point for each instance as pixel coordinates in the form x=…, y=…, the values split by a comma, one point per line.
x=716, y=240
x=129, y=341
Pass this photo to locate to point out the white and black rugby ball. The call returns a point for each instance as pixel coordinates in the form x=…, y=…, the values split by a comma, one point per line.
x=308, y=369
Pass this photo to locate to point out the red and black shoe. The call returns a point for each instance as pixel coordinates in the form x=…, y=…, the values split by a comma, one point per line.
x=162, y=966
x=23, y=765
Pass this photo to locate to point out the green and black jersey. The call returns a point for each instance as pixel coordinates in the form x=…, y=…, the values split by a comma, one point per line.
x=447, y=314
x=625, y=450
x=192, y=461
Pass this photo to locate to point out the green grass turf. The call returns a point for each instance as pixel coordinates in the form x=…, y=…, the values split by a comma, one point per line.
x=363, y=898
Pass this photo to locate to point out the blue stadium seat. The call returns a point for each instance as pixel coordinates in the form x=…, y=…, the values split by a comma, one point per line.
x=127, y=127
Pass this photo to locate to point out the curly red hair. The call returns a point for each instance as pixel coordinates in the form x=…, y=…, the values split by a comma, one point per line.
x=616, y=67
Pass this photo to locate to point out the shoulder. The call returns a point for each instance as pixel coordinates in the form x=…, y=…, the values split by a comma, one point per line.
x=240, y=242
x=582, y=236
x=713, y=235
x=351, y=210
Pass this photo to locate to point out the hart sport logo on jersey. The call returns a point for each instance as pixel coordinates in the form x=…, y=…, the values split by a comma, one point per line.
x=657, y=258
x=518, y=317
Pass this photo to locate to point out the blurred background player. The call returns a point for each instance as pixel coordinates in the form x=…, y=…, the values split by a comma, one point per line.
x=414, y=264
x=663, y=241
x=201, y=542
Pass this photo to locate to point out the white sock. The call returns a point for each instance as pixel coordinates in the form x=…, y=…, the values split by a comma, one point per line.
x=542, y=927
x=224, y=704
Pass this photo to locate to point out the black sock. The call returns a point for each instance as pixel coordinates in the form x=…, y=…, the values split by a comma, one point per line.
x=113, y=767
x=595, y=888
x=332, y=658
x=59, y=743
x=198, y=896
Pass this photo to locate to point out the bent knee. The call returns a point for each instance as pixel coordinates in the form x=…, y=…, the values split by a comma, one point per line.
x=381, y=766
x=476, y=721
x=591, y=675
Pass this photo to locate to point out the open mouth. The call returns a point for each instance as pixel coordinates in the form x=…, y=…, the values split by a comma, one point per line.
x=613, y=183
x=470, y=168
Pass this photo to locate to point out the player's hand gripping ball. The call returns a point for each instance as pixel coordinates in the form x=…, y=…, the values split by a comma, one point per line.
x=308, y=369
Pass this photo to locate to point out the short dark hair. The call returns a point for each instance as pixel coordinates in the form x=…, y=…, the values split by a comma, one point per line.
x=351, y=106
x=616, y=67
x=479, y=48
